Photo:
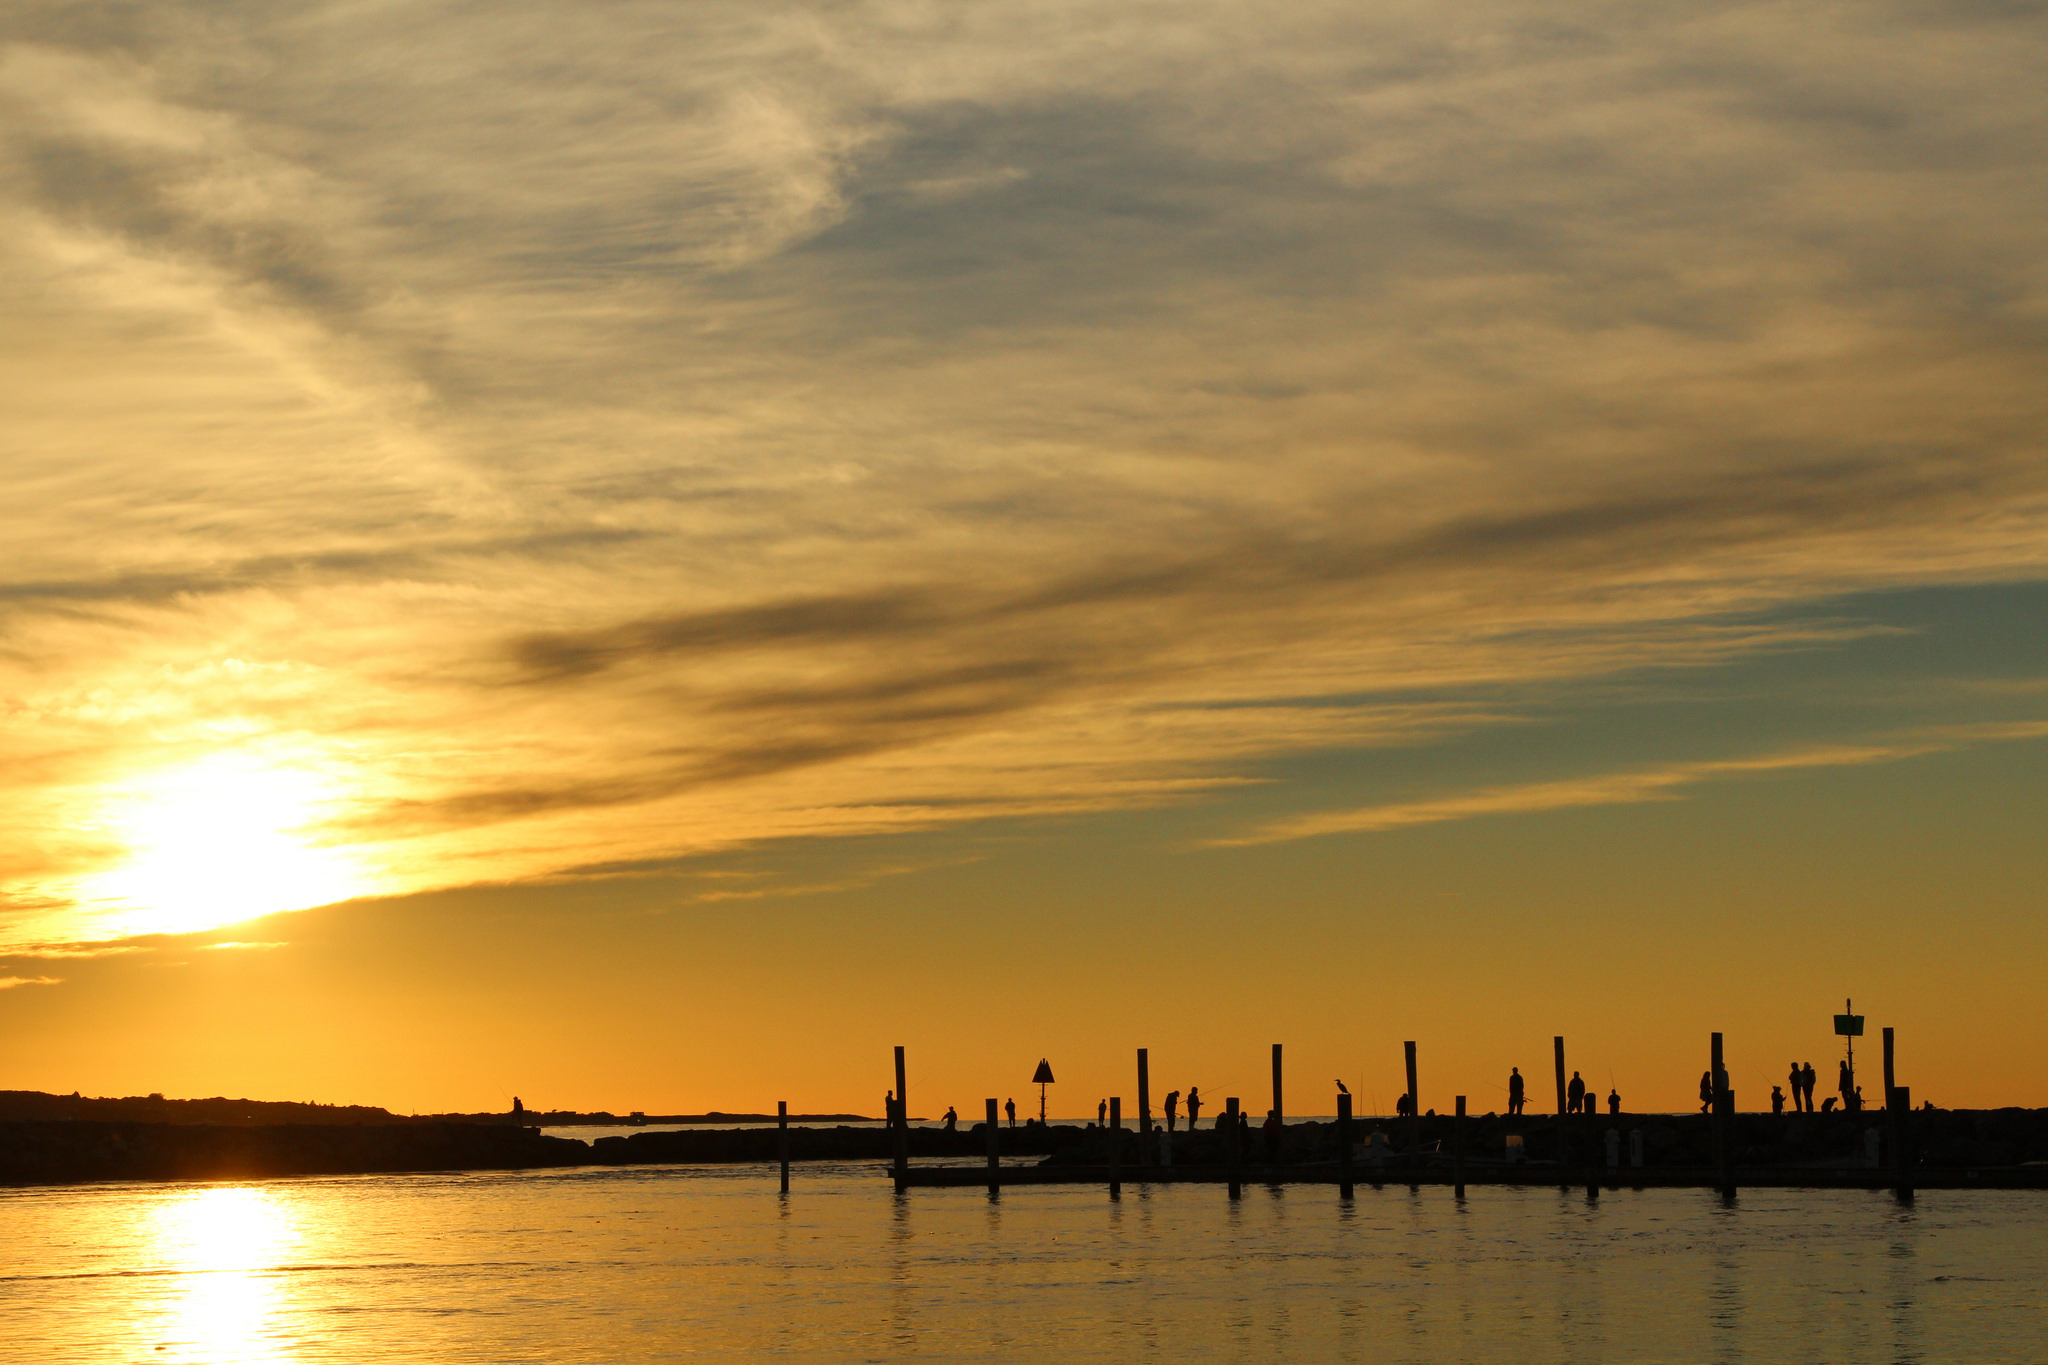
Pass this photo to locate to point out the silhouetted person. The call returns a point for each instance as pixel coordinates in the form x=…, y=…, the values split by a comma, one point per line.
x=889, y=1105
x=1575, y=1096
x=1811, y=1081
x=1172, y=1107
x=1194, y=1106
x=1272, y=1129
x=1842, y=1081
x=1827, y=1106
x=1102, y=1113
x=1797, y=1080
x=1404, y=1106
x=952, y=1119
x=518, y=1109
x=1010, y=1108
x=1777, y=1100
x=1706, y=1091
x=1854, y=1102
x=1515, y=1090
x=1614, y=1101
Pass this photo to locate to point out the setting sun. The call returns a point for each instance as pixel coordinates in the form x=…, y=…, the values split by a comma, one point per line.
x=218, y=841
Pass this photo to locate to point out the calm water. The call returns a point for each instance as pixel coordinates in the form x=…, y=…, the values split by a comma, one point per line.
x=710, y=1263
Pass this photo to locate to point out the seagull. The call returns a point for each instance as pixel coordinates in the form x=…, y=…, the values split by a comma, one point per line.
x=1342, y=1089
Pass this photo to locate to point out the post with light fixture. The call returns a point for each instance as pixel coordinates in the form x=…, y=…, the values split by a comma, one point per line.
x=1042, y=1078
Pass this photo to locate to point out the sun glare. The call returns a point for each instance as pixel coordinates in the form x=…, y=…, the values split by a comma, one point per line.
x=219, y=841
x=221, y=1245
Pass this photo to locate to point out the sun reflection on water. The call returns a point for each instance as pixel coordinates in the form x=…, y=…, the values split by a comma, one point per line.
x=222, y=1246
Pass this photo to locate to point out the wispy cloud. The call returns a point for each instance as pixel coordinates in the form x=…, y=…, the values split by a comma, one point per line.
x=1666, y=783
x=8, y=983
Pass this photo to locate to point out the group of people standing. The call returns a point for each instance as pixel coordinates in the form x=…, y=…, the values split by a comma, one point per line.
x=1578, y=1099
x=1801, y=1079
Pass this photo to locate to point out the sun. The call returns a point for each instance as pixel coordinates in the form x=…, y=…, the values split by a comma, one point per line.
x=224, y=839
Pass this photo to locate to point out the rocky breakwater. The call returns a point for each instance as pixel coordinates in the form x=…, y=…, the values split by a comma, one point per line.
x=842, y=1143
x=64, y=1153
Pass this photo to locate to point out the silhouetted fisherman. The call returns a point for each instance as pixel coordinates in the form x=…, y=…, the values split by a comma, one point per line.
x=1614, y=1101
x=1194, y=1106
x=1102, y=1113
x=1706, y=1091
x=1797, y=1080
x=1172, y=1108
x=518, y=1109
x=1515, y=1090
x=1272, y=1129
x=889, y=1105
x=1575, y=1096
x=1854, y=1103
x=1811, y=1081
x=952, y=1119
x=1010, y=1109
x=1777, y=1100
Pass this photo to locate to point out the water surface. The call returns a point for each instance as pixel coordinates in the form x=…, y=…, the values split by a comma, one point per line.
x=710, y=1263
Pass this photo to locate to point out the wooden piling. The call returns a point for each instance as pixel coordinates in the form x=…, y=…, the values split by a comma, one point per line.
x=1279, y=1107
x=782, y=1139
x=1414, y=1106
x=995, y=1153
x=1458, y=1149
x=1890, y=1079
x=1144, y=1108
x=1723, y=1107
x=1592, y=1148
x=902, y=1117
x=1234, y=1145
x=1898, y=1118
x=1344, y=1185
x=1564, y=1137
x=1116, y=1146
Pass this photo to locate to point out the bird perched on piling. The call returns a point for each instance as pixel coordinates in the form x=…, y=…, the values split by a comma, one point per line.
x=1343, y=1089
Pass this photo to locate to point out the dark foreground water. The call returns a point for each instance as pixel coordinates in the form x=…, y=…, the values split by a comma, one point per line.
x=711, y=1264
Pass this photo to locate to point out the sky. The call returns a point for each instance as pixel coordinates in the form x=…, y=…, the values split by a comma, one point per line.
x=640, y=555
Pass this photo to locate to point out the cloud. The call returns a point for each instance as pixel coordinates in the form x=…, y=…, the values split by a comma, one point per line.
x=8, y=983
x=573, y=438
x=1666, y=783
x=233, y=946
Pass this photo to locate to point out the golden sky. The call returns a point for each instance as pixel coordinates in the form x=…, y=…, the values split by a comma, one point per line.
x=1096, y=519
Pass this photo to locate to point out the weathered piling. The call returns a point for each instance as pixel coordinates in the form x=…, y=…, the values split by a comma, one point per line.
x=1723, y=1101
x=782, y=1139
x=1564, y=1137
x=901, y=1154
x=1234, y=1145
x=1591, y=1116
x=1890, y=1079
x=1279, y=1105
x=1414, y=1106
x=1344, y=1183
x=995, y=1151
x=1116, y=1145
x=1458, y=1149
x=1144, y=1108
x=1898, y=1118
